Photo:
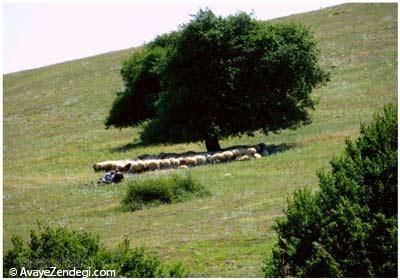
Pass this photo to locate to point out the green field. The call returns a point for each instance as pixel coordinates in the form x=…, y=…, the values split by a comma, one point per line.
x=54, y=132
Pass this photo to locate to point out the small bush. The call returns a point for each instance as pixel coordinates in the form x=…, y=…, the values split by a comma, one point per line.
x=349, y=227
x=64, y=249
x=162, y=190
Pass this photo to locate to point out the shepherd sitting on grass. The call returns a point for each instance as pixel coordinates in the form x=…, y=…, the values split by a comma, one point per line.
x=111, y=177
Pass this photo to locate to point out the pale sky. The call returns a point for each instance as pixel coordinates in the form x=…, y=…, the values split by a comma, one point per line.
x=44, y=33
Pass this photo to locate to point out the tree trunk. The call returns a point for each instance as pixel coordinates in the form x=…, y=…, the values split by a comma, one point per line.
x=212, y=144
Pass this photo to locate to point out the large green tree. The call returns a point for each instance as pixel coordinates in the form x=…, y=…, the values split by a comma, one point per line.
x=222, y=77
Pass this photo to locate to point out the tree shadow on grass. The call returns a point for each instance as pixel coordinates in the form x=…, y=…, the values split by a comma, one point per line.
x=128, y=147
x=262, y=148
x=273, y=149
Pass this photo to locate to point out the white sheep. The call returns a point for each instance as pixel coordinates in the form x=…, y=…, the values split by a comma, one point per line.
x=257, y=156
x=123, y=165
x=217, y=157
x=242, y=158
x=201, y=159
x=251, y=151
x=183, y=167
x=165, y=164
x=138, y=166
x=109, y=165
x=236, y=152
x=153, y=164
x=191, y=161
x=105, y=165
x=228, y=155
x=174, y=162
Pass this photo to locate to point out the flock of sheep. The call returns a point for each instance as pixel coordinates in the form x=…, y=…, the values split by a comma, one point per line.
x=184, y=162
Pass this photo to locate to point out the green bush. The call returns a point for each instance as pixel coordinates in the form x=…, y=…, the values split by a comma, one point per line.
x=162, y=190
x=349, y=227
x=64, y=249
x=139, y=263
x=53, y=247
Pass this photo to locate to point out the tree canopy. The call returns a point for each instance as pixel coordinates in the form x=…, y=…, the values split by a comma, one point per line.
x=217, y=77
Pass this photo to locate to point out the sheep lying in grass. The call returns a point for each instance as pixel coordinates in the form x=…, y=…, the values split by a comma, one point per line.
x=138, y=166
x=201, y=159
x=153, y=164
x=216, y=158
x=228, y=155
x=106, y=165
x=143, y=164
x=236, y=152
x=242, y=158
x=251, y=151
x=123, y=165
x=109, y=165
x=191, y=161
x=174, y=162
x=165, y=164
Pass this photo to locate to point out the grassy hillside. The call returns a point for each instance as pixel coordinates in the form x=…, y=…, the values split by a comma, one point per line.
x=54, y=132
